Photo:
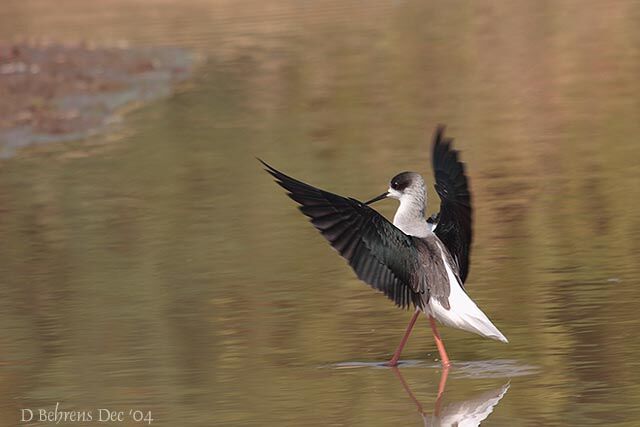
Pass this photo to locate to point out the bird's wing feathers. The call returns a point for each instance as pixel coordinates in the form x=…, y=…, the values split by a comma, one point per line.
x=454, y=222
x=379, y=253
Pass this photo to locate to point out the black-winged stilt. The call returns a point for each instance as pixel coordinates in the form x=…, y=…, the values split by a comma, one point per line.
x=414, y=261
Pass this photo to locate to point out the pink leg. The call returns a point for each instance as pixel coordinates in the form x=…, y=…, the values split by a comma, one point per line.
x=396, y=355
x=436, y=336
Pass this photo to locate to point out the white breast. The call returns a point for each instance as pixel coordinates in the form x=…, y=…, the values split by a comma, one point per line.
x=410, y=220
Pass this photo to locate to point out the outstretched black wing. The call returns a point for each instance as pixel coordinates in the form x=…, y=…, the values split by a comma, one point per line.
x=454, y=222
x=379, y=253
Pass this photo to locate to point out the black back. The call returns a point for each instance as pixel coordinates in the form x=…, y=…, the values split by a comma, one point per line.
x=454, y=222
x=379, y=253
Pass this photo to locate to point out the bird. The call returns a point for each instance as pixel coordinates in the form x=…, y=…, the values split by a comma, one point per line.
x=417, y=262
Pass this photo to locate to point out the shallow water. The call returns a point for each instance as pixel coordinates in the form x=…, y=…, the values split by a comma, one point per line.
x=161, y=269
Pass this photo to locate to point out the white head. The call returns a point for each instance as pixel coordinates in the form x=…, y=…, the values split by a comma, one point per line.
x=408, y=187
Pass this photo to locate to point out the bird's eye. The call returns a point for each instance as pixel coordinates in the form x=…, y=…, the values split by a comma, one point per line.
x=394, y=185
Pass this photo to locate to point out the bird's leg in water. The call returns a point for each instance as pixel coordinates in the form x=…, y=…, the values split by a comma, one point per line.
x=436, y=336
x=396, y=355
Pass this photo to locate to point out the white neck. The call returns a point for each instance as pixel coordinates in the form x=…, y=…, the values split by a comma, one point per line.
x=410, y=216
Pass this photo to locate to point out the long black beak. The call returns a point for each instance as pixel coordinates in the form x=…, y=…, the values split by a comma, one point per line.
x=380, y=197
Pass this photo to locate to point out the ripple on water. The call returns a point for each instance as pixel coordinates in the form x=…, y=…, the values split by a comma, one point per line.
x=501, y=368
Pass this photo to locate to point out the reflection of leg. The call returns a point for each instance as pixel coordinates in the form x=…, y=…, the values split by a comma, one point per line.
x=441, y=386
x=436, y=336
x=407, y=389
x=396, y=355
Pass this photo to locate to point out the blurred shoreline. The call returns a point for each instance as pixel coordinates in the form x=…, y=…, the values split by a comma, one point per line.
x=54, y=92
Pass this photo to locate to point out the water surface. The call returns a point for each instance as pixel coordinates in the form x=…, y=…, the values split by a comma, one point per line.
x=160, y=268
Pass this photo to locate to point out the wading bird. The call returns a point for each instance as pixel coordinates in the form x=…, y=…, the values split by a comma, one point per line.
x=414, y=261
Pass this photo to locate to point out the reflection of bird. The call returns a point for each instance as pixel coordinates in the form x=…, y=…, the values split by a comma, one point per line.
x=467, y=413
x=413, y=261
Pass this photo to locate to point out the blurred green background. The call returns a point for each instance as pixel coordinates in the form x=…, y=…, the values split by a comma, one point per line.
x=160, y=268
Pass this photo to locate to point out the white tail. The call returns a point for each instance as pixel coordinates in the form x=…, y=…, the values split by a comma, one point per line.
x=463, y=312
